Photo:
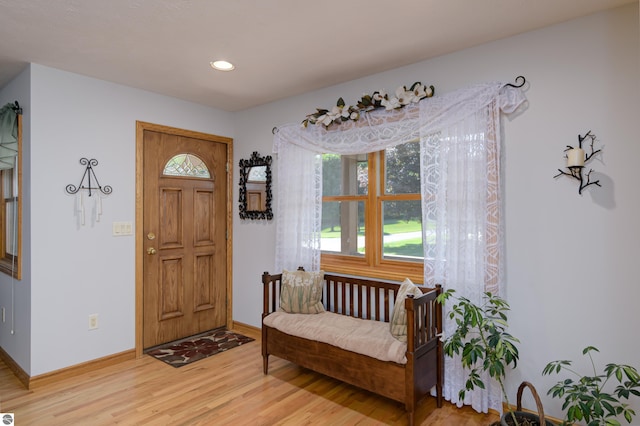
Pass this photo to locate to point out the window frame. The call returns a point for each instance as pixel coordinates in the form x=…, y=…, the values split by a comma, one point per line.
x=373, y=264
x=12, y=264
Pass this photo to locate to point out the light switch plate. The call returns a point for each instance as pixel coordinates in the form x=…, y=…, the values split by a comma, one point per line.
x=122, y=228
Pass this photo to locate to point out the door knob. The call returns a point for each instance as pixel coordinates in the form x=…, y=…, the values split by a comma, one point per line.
x=151, y=250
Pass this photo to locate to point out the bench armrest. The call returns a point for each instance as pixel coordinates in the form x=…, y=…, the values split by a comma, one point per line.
x=424, y=319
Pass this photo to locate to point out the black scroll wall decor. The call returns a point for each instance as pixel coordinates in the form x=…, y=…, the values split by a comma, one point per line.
x=91, y=185
x=255, y=187
x=87, y=177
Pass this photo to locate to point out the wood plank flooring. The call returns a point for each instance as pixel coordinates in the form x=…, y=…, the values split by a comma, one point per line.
x=225, y=389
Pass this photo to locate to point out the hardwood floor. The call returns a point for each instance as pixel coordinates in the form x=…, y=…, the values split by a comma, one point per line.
x=225, y=389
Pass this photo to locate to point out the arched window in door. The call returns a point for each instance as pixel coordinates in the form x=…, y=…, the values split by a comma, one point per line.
x=187, y=165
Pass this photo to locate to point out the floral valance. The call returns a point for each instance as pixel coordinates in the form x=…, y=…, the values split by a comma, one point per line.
x=342, y=112
x=382, y=128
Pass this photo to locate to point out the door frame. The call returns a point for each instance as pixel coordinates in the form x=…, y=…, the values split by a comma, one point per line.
x=141, y=126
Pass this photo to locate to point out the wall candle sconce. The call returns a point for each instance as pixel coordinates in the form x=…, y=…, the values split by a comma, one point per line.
x=576, y=159
x=91, y=187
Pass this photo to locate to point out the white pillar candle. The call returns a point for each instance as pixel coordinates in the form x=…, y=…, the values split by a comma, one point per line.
x=575, y=157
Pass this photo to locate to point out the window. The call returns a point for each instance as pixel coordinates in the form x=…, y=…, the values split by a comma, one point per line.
x=11, y=214
x=186, y=165
x=371, y=213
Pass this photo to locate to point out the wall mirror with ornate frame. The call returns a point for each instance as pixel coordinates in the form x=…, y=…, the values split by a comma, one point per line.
x=255, y=187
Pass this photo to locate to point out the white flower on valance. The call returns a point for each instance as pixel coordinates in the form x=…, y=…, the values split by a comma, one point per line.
x=342, y=112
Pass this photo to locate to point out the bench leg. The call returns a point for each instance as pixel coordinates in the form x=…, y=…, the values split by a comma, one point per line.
x=411, y=420
x=265, y=364
x=439, y=395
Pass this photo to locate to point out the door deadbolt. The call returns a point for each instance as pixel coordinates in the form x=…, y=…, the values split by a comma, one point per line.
x=151, y=236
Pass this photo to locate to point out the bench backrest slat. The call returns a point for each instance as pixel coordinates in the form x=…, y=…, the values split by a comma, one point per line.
x=353, y=296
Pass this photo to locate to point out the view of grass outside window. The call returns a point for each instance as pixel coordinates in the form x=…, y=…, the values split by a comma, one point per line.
x=371, y=213
x=343, y=227
x=401, y=208
x=345, y=193
x=402, y=238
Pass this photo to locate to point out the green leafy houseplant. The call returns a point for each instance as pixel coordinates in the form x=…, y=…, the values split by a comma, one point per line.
x=586, y=398
x=481, y=339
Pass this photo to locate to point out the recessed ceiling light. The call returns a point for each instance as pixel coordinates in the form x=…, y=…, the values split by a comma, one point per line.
x=222, y=65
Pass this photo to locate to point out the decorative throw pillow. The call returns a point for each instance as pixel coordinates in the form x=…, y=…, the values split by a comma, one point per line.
x=301, y=292
x=399, y=317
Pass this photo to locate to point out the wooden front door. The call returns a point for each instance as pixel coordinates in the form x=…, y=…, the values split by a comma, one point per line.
x=184, y=237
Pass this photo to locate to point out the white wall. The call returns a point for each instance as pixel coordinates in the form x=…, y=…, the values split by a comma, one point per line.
x=81, y=270
x=570, y=259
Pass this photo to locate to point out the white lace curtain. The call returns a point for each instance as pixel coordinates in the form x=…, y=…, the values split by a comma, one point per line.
x=459, y=136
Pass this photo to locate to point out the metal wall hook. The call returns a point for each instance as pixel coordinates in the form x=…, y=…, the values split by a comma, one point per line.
x=517, y=85
x=17, y=108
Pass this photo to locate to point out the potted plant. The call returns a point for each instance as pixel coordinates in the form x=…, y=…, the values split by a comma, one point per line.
x=586, y=397
x=484, y=345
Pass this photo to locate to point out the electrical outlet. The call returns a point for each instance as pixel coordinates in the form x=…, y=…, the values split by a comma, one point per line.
x=93, y=321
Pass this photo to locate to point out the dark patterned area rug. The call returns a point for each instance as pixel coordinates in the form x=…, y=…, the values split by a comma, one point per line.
x=185, y=351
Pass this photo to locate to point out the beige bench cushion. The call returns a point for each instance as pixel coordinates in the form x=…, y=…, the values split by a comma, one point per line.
x=366, y=337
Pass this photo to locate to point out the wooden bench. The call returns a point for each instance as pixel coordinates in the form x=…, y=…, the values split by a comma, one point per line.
x=370, y=300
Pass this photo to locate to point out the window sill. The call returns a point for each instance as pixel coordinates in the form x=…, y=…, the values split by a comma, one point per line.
x=6, y=267
x=389, y=270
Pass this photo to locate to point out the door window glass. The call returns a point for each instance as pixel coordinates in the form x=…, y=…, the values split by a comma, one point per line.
x=186, y=165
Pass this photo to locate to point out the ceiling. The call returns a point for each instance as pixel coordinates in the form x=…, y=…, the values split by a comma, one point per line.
x=280, y=48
